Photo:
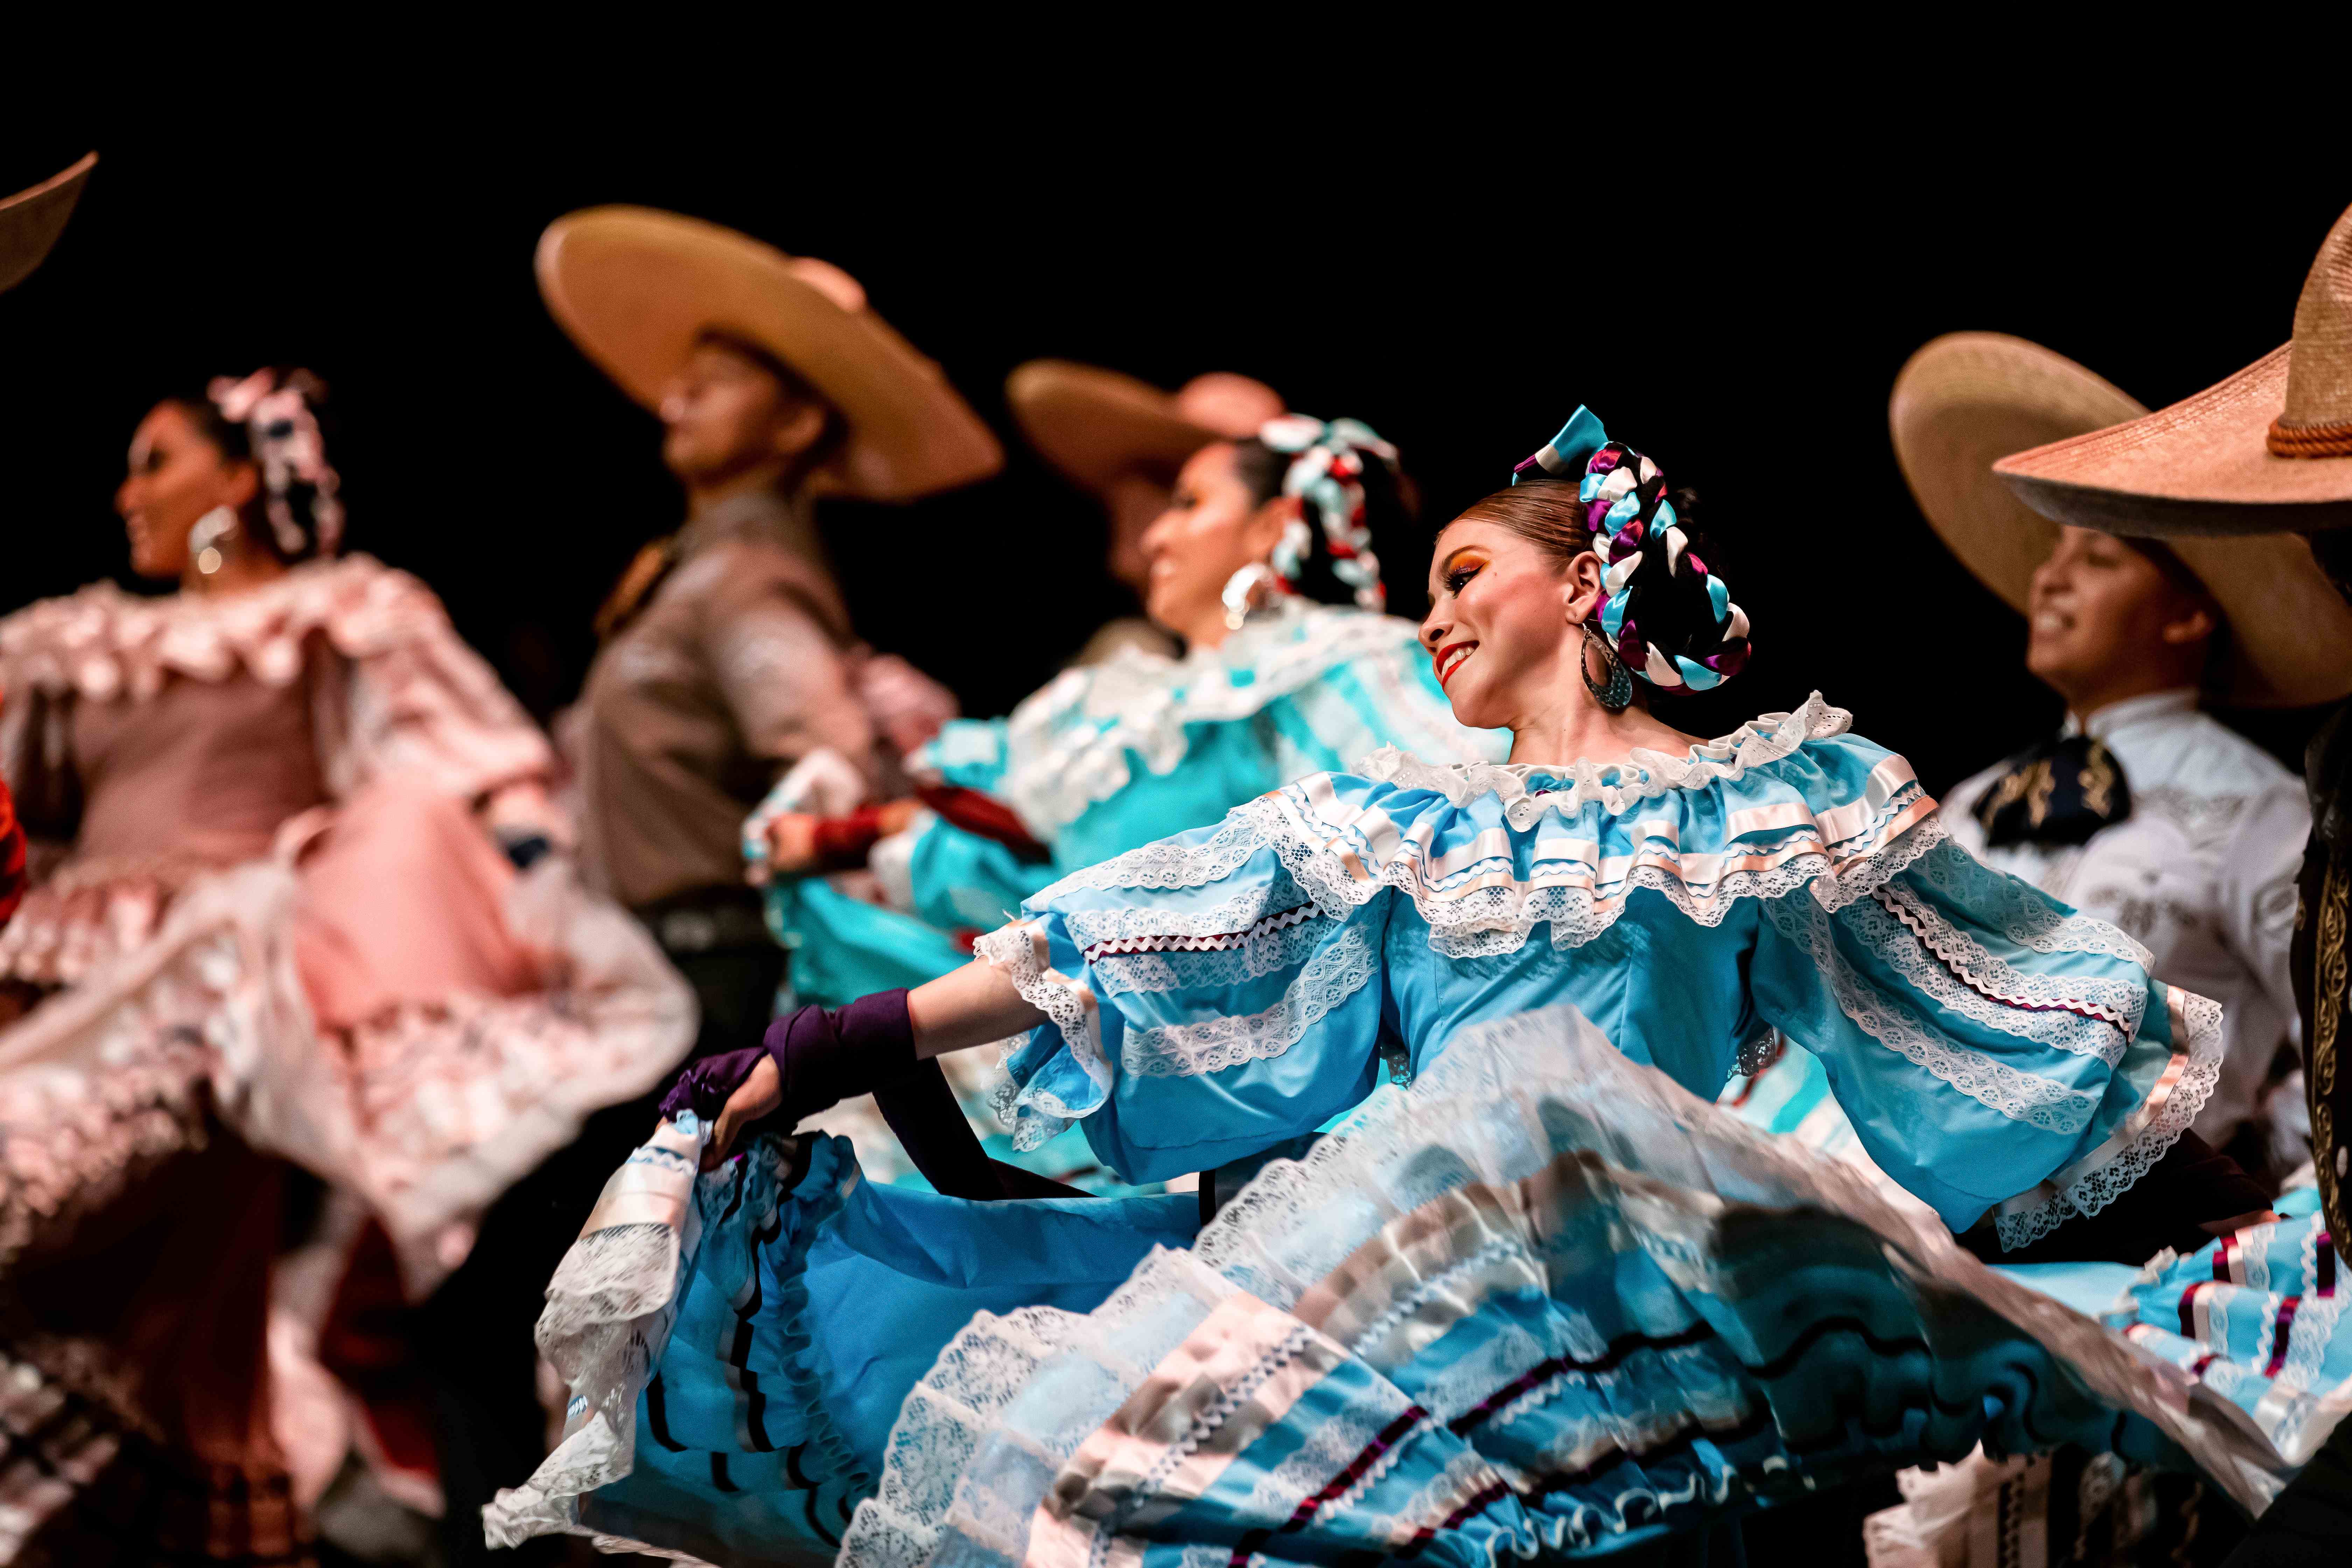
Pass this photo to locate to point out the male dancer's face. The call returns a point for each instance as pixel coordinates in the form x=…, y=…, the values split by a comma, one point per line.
x=2104, y=620
x=725, y=415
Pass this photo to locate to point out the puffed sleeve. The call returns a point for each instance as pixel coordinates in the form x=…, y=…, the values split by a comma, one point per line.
x=1201, y=1008
x=780, y=664
x=1994, y=1050
x=417, y=702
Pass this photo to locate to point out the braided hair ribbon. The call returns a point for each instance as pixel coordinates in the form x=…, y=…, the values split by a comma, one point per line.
x=1670, y=619
x=1327, y=469
x=276, y=410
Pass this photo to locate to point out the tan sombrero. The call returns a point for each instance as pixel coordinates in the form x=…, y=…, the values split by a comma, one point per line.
x=2267, y=451
x=635, y=287
x=1097, y=426
x=31, y=220
x=1969, y=399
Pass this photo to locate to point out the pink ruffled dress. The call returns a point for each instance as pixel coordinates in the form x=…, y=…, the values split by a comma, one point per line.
x=269, y=919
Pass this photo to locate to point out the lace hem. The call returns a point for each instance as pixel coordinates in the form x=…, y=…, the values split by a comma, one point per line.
x=1032, y=1113
x=2091, y=1183
x=72, y=1143
x=1763, y=740
x=988, y=1433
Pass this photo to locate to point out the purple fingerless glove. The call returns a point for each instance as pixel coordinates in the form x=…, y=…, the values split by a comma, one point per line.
x=828, y=1054
x=704, y=1085
x=824, y=1056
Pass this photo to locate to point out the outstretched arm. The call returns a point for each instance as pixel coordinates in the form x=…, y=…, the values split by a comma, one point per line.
x=967, y=1007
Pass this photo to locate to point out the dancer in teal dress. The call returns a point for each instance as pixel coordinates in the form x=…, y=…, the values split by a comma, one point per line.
x=1262, y=564
x=1545, y=1298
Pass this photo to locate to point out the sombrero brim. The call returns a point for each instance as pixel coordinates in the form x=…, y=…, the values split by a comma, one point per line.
x=636, y=288
x=1096, y=425
x=1963, y=403
x=2200, y=467
x=1966, y=402
x=31, y=220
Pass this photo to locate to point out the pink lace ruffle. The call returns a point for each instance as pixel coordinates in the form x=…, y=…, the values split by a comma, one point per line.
x=419, y=698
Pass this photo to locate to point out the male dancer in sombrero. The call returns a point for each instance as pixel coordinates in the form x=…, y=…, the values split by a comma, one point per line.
x=2267, y=451
x=727, y=660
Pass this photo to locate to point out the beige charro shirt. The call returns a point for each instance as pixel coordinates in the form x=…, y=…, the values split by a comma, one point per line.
x=739, y=662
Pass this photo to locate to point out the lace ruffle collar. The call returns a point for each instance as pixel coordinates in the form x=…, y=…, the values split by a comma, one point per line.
x=1527, y=790
x=104, y=644
x=1067, y=748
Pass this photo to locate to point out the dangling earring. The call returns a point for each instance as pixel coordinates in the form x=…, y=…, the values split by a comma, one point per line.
x=207, y=536
x=1253, y=587
x=1616, y=693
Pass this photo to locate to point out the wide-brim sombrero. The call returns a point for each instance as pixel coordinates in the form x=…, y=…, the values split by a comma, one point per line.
x=636, y=288
x=31, y=220
x=1097, y=426
x=2269, y=450
x=1968, y=400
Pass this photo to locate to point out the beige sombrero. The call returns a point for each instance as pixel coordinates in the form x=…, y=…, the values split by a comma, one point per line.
x=31, y=220
x=1967, y=400
x=635, y=287
x=1096, y=425
x=2269, y=450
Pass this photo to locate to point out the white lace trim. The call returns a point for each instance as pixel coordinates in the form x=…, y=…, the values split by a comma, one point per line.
x=1268, y=946
x=2024, y=915
x=1766, y=739
x=2108, y=1172
x=1188, y=1051
x=1033, y=1113
x=2019, y=1096
x=1499, y=910
x=1166, y=863
x=2119, y=1002
x=1067, y=748
x=1220, y=925
x=2045, y=1018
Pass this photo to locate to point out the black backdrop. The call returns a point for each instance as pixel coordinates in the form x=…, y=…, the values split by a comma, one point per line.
x=1738, y=311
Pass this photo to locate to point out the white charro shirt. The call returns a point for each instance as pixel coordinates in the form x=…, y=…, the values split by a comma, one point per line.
x=2202, y=872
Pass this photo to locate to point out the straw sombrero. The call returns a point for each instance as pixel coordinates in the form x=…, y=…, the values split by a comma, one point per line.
x=2269, y=450
x=635, y=287
x=1096, y=425
x=31, y=220
x=1967, y=400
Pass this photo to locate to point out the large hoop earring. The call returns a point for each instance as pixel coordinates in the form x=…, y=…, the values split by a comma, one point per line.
x=1252, y=588
x=206, y=537
x=1615, y=693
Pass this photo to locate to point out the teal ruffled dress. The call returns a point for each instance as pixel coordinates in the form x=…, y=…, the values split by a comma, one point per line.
x=1103, y=760
x=1547, y=1299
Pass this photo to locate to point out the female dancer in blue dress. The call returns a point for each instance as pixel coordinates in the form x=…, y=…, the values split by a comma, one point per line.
x=1263, y=564
x=1546, y=1299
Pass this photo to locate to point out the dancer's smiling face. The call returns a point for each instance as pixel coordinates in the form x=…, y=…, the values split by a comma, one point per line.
x=1214, y=525
x=1502, y=628
x=2103, y=616
x=175, y=476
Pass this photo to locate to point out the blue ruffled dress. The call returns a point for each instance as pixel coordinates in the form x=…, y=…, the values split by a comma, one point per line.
x=1548, y=1299
x=1105, y=759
